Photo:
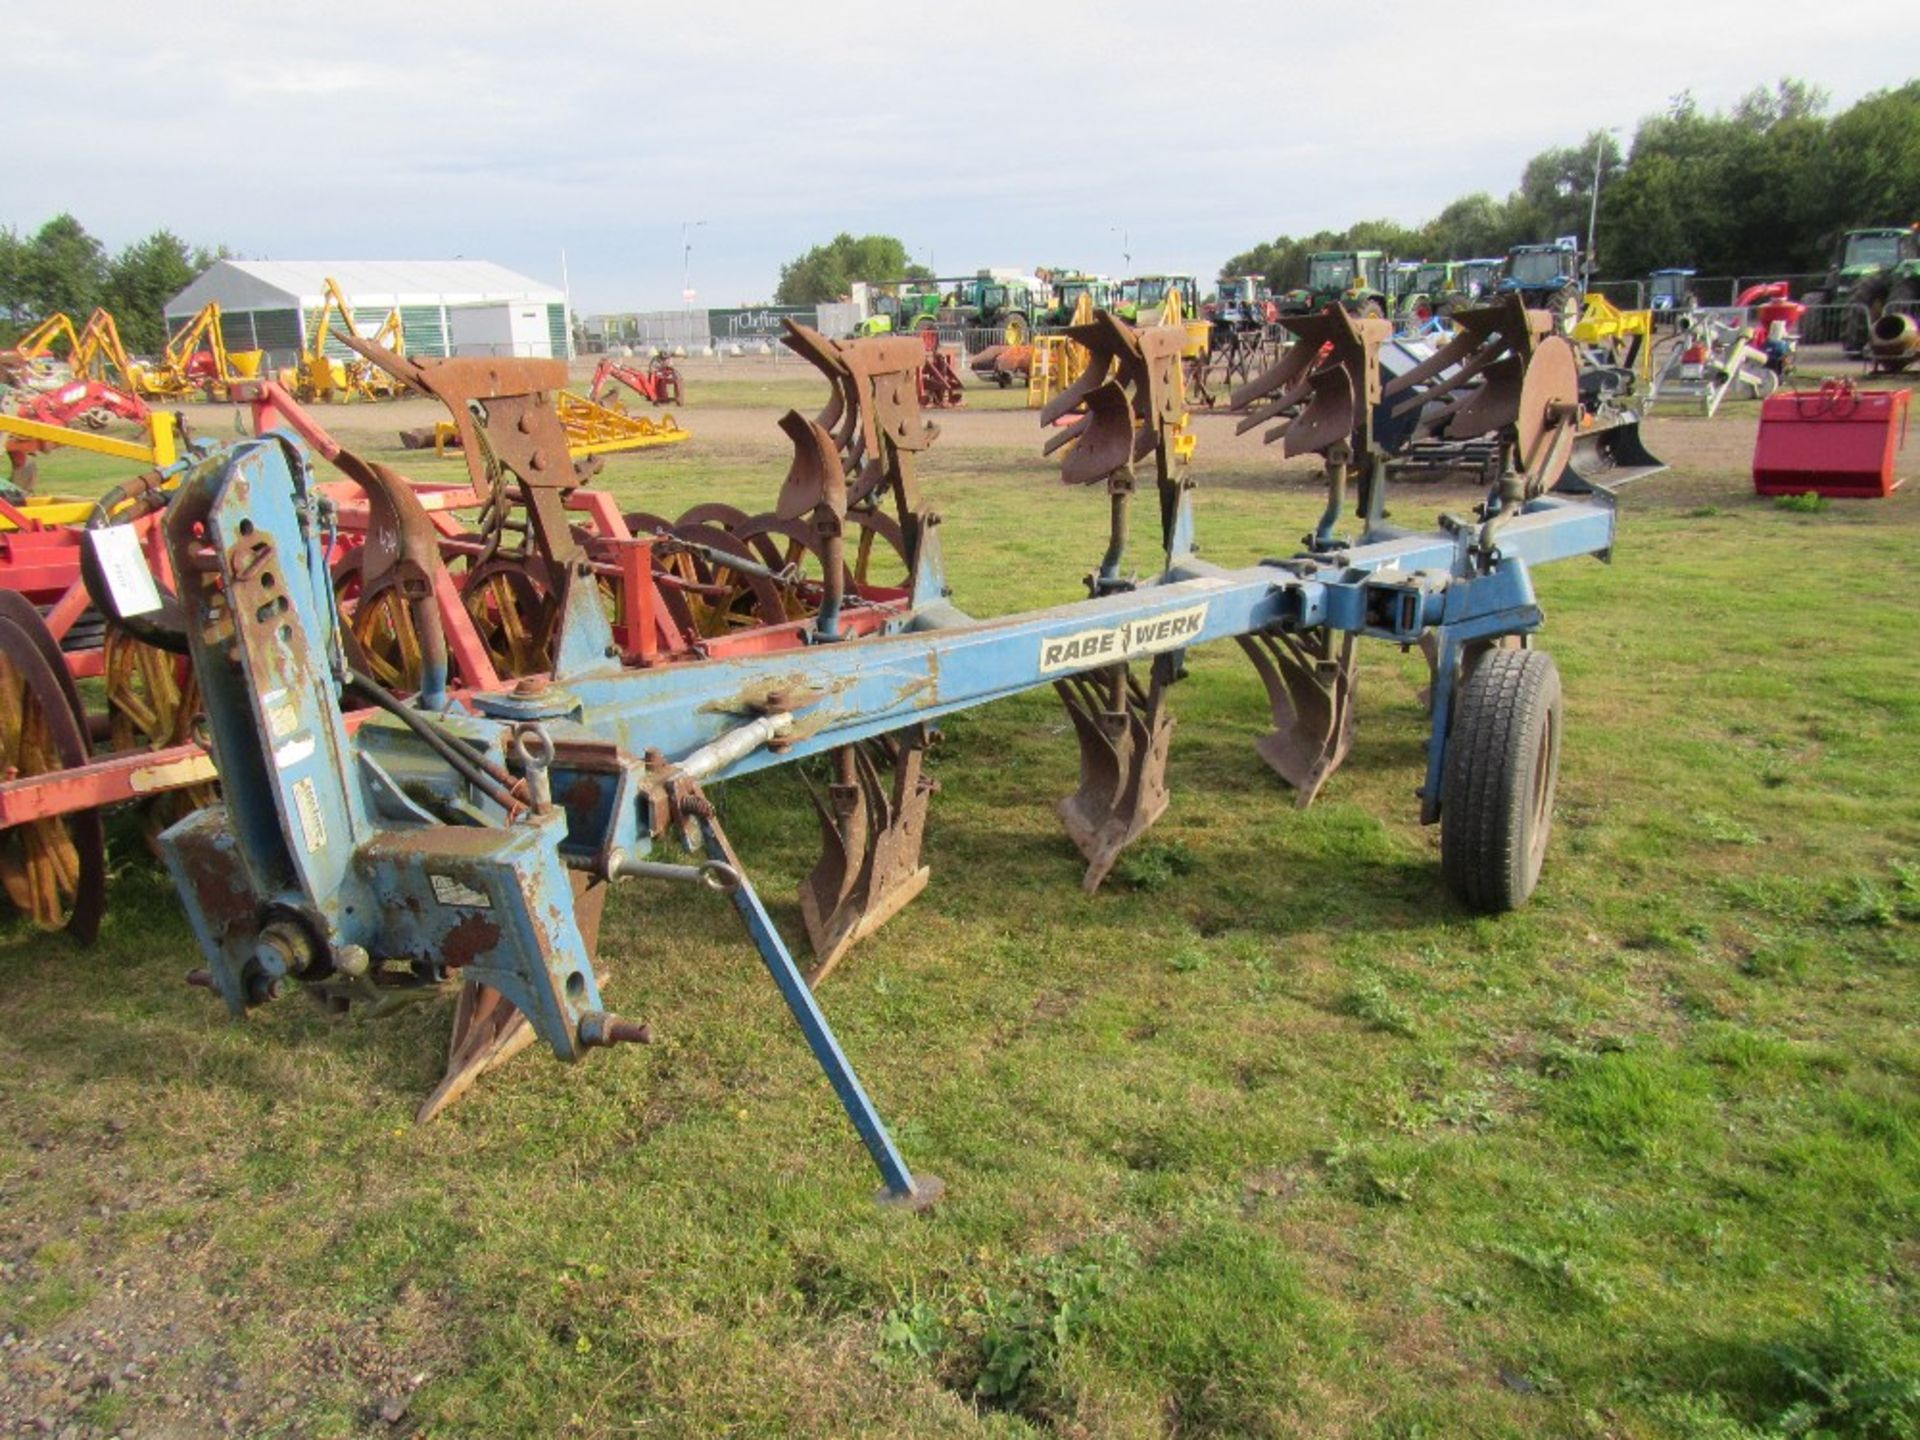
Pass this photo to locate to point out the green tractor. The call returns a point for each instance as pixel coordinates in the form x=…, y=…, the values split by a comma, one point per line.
x=970, y=302
x=1068, y=287
x=1871, y=270
x=1423, y=289
x=1356, y=280
x=1013, y=306
x=911, y=305
x=1146, y=294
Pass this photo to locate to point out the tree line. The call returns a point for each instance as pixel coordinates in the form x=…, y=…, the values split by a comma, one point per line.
x=1765, y=188
x=827, y=272
x=61, y=267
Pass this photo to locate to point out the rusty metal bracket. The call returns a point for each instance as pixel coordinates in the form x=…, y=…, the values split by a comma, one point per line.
x=873, y=819
x=1125, y=731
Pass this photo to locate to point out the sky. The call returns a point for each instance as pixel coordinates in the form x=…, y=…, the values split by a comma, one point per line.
x=1114, y=137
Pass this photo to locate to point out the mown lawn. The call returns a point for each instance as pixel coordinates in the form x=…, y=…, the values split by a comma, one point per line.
x=1269, y=1138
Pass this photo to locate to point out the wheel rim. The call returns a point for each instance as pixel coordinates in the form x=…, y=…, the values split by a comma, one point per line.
x=1540, y=803
x=514, y=615
x=389, y=644
x=153, y=701
x=745, y=601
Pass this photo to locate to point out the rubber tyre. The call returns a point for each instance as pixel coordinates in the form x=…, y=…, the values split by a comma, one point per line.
x=1814, y=328
x=1865, y=304
x=1502, y=765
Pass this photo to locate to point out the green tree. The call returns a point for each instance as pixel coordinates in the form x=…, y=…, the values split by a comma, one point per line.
x=1470, y=228
x=142, y=278
x=1873, y=153
x=827, y=272
x=14, y=312
x=1764, y=188
x=62, y=268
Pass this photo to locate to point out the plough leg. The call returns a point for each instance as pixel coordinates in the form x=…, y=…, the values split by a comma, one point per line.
x=871, y=833
x=1309, y=680
x=488, y=1029
x=902, y=1187
x=1125, y=733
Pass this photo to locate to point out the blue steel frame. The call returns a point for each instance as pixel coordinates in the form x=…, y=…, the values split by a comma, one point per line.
x=331, y=849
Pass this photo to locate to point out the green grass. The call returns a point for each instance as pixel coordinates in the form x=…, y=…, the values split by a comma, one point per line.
x=1268, y=1138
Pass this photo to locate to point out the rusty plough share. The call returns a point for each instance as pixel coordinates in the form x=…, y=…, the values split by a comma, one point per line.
x=468, y=836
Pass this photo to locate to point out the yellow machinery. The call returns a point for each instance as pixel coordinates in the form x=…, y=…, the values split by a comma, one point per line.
x=196, y=361
x=592, y=429
x=32, y=362
x=101, y=356
x=37, y=343
x=319, y=376
x=1057, y=360
x=161, y=448
x=1623, y=337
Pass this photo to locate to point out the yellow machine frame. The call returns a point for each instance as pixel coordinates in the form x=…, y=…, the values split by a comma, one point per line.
x=161, y=448
x=100, y=355
x=320, y=377
x=168, y=379
x=592, y=429
x=37, y=343
x=1606, y=325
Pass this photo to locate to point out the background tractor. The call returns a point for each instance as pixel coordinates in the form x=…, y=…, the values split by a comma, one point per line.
x=1355, y=280
x=1670, y=293
x=1243, y=302
x=1871, y=270
x=982, y=301
x=1547, y=277
x=1146, y=295
x=1425, y=288
x=1068, y=287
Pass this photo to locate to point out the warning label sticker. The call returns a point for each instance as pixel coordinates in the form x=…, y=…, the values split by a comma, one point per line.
x=449, y=891
x=306, y=802
x=1113, y=643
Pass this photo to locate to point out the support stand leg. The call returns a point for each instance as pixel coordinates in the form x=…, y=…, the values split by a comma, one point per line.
x=902, y=1188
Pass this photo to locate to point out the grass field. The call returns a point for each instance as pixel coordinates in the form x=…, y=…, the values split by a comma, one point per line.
x=1267, y=1139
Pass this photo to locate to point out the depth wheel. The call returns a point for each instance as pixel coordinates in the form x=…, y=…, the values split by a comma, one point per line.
x=1496, y=794
x=153, y=700
x=53, y=870
x=515, y=615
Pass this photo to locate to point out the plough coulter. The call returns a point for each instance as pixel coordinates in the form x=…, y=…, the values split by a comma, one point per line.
x=466, y=836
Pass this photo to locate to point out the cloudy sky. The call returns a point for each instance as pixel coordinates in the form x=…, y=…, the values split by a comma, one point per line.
x=982, y=133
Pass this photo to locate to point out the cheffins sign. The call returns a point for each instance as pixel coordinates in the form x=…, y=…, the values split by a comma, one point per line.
x=1111, y=644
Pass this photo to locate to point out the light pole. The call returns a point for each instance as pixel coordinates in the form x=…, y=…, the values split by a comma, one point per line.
x=687, y=227
x=1126, y=246
x=1593, y=212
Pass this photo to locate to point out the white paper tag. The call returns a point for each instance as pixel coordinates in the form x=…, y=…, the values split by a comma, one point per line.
x=129, y=581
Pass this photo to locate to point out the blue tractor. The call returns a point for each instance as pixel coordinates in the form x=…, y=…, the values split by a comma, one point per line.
x=1547, y=277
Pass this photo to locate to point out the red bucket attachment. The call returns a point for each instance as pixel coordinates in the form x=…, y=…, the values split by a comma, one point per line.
x=1838, y=441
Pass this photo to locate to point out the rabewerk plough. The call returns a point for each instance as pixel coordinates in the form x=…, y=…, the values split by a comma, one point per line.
x=468, y=837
